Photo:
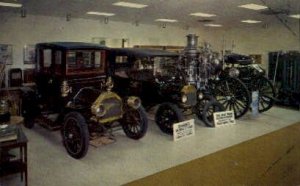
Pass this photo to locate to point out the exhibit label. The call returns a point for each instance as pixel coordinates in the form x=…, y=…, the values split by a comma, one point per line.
x=224, y=118
x=183, y=129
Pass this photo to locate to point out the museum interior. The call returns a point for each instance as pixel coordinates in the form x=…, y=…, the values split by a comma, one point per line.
x=149, y=92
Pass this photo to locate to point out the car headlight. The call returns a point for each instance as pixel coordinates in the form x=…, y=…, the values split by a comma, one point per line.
x=234, y=72
x=184, y=98
x=200, y=95
x=134, y=102
x=216, y=62
x=100, y=111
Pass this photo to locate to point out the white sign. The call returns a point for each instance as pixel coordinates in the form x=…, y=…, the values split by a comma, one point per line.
x=224, y=118
x=183, y=129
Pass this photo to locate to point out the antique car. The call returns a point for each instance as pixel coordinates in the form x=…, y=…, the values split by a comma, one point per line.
x=73, y=93
x=253, y=76
x=154, y=76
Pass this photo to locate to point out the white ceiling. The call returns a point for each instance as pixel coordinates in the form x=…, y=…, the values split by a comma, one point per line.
x=227, y=11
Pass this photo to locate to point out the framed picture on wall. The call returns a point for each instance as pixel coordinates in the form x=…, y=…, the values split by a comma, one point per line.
x=6, y=54
x=29, y=54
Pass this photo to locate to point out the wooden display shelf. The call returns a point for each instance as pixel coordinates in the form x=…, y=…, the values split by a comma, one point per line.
x=11, y=165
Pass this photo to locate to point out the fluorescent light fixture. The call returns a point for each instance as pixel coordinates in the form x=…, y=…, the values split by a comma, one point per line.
x=200, y=14
x=297, y=16
x=14, y=5
x=252, y=6
x=101, y=13
x=250, y=21
x=167, y=20
x=129, y=5
x=213, y=25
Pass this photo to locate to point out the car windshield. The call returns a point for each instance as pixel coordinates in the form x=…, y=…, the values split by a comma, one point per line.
x=164, y=66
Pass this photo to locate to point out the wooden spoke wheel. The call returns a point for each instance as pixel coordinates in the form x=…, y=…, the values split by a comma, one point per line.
x=135, y=123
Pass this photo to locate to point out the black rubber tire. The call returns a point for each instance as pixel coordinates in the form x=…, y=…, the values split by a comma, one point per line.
x=198, y=109
x=135, y=123
x=166, y=115
x=266, y=94
x=29, y=122
x=28, y=112
x=75, y=125
x=234, y=95
x=208, y=110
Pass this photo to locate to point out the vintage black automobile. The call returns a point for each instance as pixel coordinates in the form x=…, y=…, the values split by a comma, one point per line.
x=155, y=76
x=73, y=93
x=253, y=76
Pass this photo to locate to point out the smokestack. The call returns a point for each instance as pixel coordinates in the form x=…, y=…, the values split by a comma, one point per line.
x=191, y=53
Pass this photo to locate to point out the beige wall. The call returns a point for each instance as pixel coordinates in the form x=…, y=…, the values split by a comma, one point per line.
x=251, y=39
x=33, y=29
x=255, y=39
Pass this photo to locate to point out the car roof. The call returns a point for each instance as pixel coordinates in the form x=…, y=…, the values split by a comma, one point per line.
x=143, y=52
x=70, y=45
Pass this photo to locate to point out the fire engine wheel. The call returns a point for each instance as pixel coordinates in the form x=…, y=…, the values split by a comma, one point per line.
x=234, y=95
x=166, y=115
x=135, y=123
x=266, y=94
x=208, y=112
x=75, y=135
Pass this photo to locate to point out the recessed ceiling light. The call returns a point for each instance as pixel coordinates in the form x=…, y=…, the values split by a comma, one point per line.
x=101, y=13
x=253, y=6
x=250, y=21
x=200, y=14
x=129, y=5
x=167, y=20
x=297, y=16
x=15, y=5
x=213, y=25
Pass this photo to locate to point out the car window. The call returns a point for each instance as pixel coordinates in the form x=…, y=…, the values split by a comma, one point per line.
x=85, y=61
x=47, y=53
x=121, y=59
x=164, y=66
x=58, y=62
x=143, y=63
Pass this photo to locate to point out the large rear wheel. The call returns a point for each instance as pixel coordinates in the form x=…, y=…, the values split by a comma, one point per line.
x=233, y=94
x=266, y=94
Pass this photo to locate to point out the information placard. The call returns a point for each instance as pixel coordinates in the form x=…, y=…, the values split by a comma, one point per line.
x=224, y=118
x=183, y=129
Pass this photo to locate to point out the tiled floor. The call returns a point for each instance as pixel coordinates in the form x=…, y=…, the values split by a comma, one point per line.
x=127, y=160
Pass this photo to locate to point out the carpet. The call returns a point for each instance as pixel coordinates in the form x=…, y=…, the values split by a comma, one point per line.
x=271, y=159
